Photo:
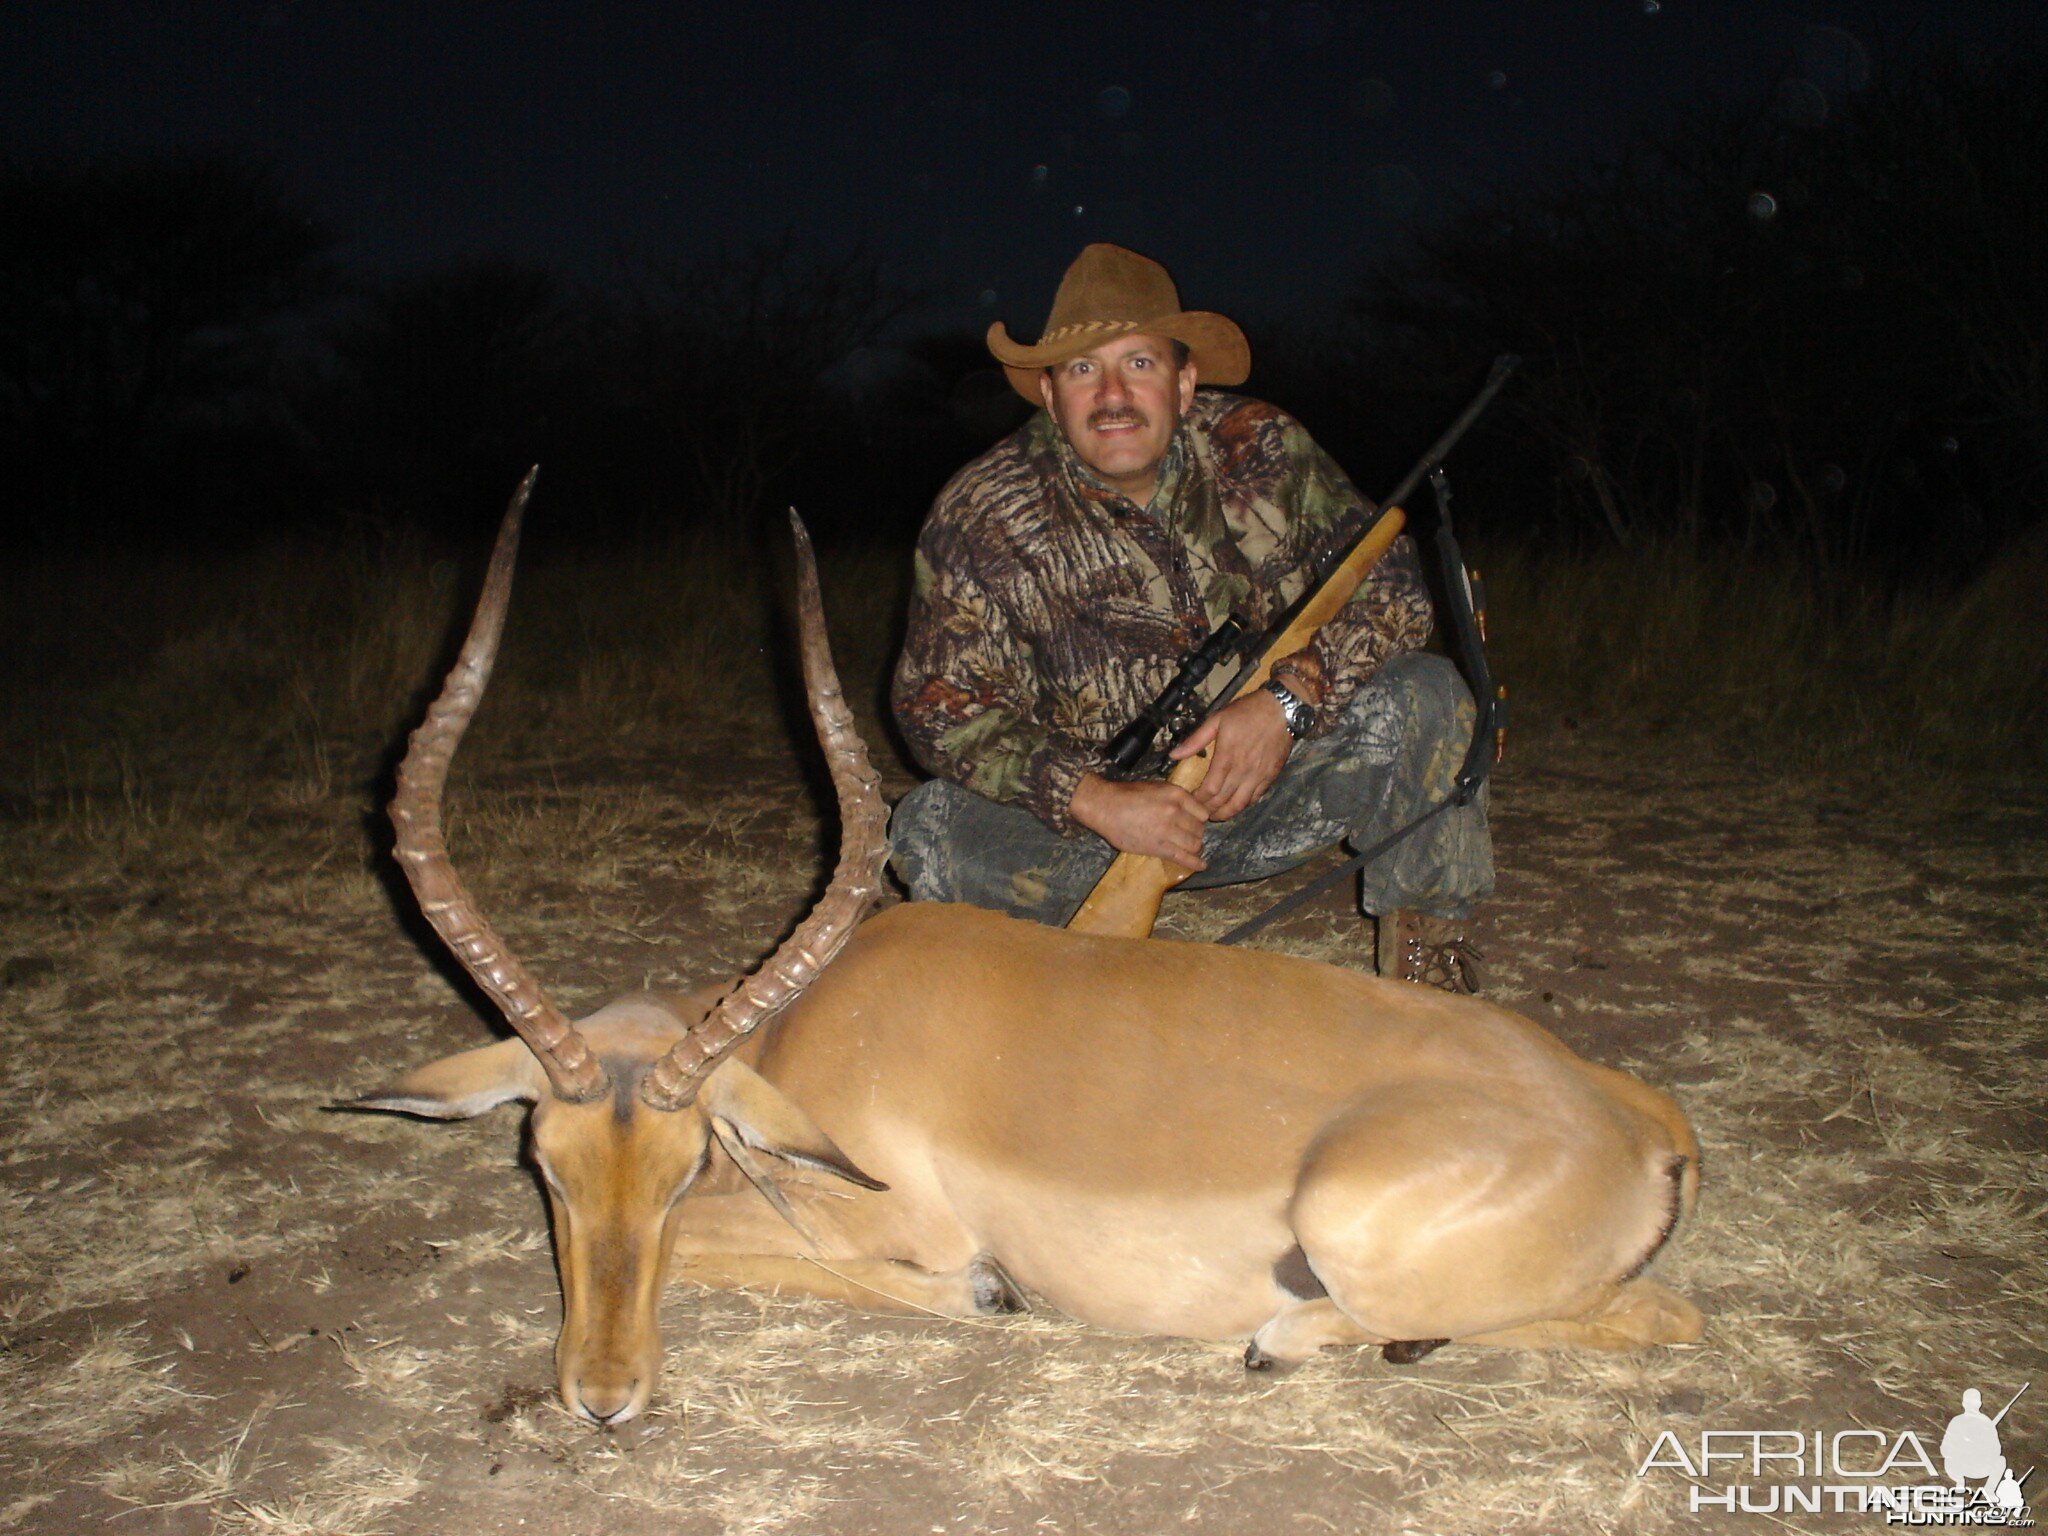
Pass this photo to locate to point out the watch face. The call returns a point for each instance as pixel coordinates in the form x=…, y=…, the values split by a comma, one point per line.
x=1298, y=714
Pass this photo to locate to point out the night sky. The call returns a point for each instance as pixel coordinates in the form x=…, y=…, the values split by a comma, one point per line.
x=1261, y=150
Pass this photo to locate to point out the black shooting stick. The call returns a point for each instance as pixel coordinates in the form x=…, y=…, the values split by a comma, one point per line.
x=1492, y=709
x=1503, y=367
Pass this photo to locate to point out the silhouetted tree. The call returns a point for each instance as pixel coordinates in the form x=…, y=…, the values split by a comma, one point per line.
x=148, y=307
x=1754, y=325
x=729, y=360
x=459, y=378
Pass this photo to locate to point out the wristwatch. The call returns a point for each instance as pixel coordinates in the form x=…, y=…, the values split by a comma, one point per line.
x=1298, y=712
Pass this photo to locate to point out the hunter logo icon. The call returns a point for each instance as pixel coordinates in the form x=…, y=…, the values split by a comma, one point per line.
x=2009, y=1498
x=1969, y=1447
x=1970, y=1453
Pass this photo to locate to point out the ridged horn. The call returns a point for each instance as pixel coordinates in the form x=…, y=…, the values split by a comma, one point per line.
x=423, y=852
x=856, y=880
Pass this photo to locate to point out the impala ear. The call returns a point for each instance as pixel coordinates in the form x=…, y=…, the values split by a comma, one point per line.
x=746, y=1108
x=462, y=1086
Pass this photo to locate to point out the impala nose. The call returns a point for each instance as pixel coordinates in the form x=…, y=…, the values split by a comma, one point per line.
x=607, y=1405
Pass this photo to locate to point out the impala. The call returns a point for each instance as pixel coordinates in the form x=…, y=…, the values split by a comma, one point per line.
x=944, y=1110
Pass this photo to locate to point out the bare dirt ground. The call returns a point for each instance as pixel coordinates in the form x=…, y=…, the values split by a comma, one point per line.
x=225, y=1308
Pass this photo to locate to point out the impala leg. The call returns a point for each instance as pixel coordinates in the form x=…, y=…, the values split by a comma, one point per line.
x=976, y=1289
x=736, y=1242
x=1298, y=1330
x=1639, y=1313
x=1455, y=1213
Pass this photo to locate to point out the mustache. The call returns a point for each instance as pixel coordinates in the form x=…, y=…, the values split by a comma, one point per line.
x=1126, y=417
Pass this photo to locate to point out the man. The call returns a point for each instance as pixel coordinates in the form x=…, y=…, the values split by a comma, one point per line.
x=1970, y=1451
x=1064, y=576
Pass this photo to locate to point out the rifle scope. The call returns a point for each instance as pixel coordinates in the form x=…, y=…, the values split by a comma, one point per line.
x=1135, y=739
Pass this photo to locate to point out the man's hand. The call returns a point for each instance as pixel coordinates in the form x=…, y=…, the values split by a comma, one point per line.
x=1146, y=816
x=1251, y=746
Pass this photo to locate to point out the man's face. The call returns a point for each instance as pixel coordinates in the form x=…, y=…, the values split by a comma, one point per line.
x=1118, y=406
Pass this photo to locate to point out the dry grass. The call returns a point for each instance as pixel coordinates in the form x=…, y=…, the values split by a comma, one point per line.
x=1869, y=1235
x=290, y=672
x=276, y=677
x=347, y=1490
x=74, y=1398
x=225, y=1304
x=1793, y=670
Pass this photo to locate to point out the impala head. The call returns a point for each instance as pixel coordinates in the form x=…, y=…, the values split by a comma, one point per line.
x=627, y=1102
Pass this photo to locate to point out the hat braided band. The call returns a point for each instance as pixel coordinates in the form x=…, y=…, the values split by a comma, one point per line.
x=1084, y=327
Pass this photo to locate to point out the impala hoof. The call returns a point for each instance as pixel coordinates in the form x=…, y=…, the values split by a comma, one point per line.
x=1408, y=1351
x=1256, y=1359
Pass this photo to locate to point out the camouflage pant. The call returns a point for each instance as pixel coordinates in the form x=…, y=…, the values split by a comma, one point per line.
x=1392, y=754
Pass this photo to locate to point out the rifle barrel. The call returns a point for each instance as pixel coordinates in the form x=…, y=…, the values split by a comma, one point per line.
x=1503, y=367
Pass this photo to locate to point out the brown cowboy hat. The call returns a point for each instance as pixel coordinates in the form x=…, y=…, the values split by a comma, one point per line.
x=1110, y=292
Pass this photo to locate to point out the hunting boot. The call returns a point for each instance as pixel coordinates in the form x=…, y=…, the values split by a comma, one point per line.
x=1430, y=951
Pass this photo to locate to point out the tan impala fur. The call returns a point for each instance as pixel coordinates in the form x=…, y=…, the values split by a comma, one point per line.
x=1151, y=1136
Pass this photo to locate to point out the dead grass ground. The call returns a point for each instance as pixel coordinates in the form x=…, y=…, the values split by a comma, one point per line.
x=225, y=1309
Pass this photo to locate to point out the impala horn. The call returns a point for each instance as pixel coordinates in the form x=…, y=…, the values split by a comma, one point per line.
x=856, y=881
x=423, y=852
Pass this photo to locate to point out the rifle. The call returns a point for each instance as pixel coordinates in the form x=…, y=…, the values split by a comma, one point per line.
x=1126, y=899
x=1173, y=711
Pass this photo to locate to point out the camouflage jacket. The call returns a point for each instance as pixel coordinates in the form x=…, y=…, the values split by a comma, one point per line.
x=1049, y=609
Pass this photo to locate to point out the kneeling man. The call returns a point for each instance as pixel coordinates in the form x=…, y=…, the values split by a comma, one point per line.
x=1063, y=577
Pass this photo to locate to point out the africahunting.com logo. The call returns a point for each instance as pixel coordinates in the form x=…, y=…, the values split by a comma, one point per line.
x=1966, y=1480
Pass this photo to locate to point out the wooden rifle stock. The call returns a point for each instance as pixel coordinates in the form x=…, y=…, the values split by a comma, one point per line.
x=1126, y=899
